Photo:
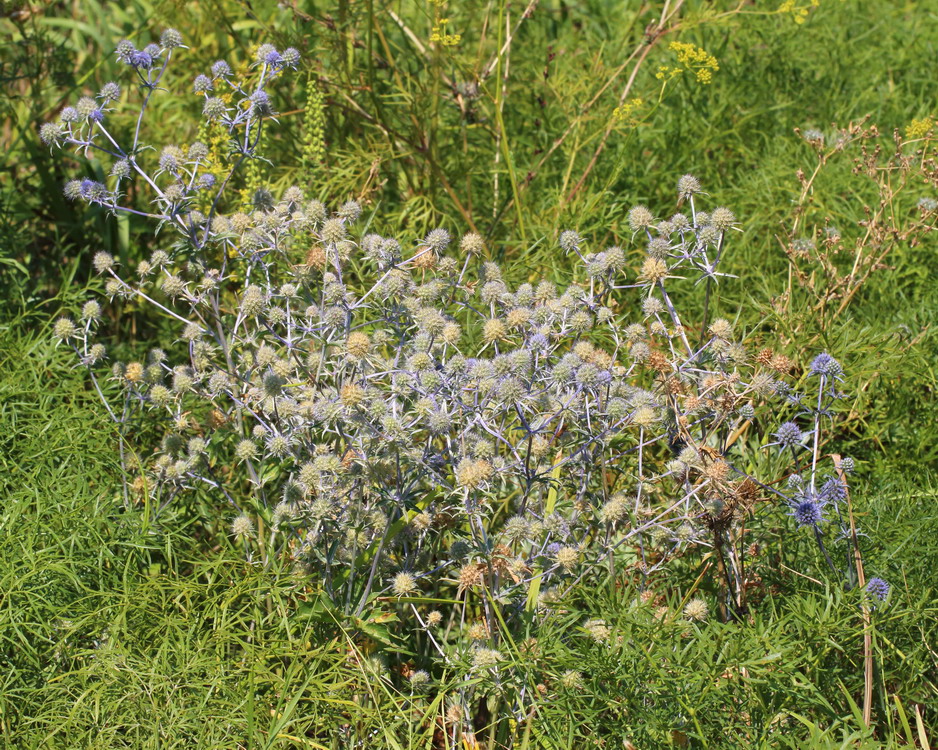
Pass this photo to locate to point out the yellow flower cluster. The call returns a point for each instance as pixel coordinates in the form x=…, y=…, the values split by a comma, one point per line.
x=799, y=13
x=919, y=127
x=628, y=112
x=693, y=58
x=440, y=35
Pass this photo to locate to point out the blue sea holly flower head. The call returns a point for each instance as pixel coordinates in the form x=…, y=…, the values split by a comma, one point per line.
x=878, y=589
x=220, y=69
x=788, y=435
x=825, y=365
x=833, y=490
x=268, y=54
x=141, y=59
x=808, y=510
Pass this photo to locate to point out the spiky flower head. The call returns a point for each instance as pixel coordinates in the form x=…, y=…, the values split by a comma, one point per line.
x=290, y=57
x=722, y=218
x=333, y=231
x=214, y=108
x=220, y=69
x=697, y=610
x=616, y=509
x=721, y=328
x=653, y=270
x=267, y=54
x=403, y=584
x=789, y=435
x=242, y=527
x=245, y=450
x=486, y=658
x=438, y=239
x=640, y=218
x=878, y=589
x=170, y=39
x=103, y=262
x=419, y=678
x=598, y=630
x=110, y=91
x=51, y=134
x=807, y=511
x=125, y=50
x=570, y=240
x=91, y=311
x=202, y=84
x=825, y=365
x=659, y=248
x=472, y=244
x=357, y=344
x=471, y=473
x=64, y=329
x=687, y=186
x=567, y=558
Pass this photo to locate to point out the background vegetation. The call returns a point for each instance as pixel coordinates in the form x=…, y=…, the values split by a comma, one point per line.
x=119, y=632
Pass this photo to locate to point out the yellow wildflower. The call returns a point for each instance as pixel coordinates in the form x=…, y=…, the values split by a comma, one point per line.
x=440, y=35
x=695, y=59
x=628, y=112
x=919, y=127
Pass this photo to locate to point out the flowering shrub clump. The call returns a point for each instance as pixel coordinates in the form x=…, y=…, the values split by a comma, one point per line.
x=408, y=424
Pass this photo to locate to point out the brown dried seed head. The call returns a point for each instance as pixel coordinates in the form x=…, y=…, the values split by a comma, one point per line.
x=316, y=257
x=717, y=471
x=659, y=361
x=781, y=363
x=425, y=260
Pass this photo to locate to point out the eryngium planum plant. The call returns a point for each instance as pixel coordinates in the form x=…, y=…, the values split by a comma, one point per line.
x=406, y=427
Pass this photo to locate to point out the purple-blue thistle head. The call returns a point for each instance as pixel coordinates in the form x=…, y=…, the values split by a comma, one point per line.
x=825, y=365
x=92, y=191
x=789, y=435
x=808, y=511
x=878, y=589
x=220, y=69
x=833, y=490
x=141, y=60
